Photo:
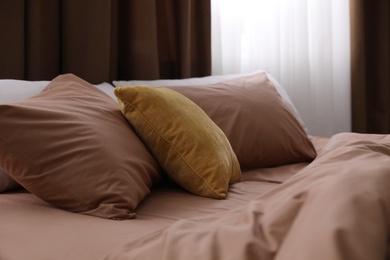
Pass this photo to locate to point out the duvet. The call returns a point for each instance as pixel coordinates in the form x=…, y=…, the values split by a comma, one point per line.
x=338, y=207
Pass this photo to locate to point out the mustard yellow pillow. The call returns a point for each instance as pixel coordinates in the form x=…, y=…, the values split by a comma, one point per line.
x=189, y=146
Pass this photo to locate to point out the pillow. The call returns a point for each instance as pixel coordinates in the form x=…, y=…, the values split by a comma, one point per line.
x=191, y=149
x=6, y=182
x=260, y=127
x=12, y=90
x=108, y=89
x=212, y=80
x=71, y=146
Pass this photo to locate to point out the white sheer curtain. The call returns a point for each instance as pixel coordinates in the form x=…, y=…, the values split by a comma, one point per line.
x=304, y=44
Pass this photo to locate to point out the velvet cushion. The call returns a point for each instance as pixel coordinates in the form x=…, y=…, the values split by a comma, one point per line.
x=260, y=127
x=192, y=150
x=71, y=146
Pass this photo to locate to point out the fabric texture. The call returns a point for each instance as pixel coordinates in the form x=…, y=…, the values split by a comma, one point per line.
x=12, y=90
x=6, y=182
x=212, y=80
x=258, y=124
x=16, y=90
x=76, y=236
x=41, y=39
x=370, y=61
x=71, y=146
x=191, y=149
x=335, y=208
x=304, y=44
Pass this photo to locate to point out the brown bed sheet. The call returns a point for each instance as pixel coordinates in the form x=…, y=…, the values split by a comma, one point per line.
x=338, y=207
x=33, y=229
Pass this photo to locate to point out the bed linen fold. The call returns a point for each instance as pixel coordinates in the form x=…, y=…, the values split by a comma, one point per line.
x=33, y=229
x=338, y=207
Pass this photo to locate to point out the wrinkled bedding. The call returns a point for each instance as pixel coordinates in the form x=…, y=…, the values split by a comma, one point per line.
x=33, y=229
x=335, y=208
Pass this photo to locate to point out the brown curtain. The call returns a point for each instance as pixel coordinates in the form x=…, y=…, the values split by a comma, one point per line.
x=103, y=40
x=370, y=29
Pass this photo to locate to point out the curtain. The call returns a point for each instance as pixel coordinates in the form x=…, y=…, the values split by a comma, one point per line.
x=102, y=40
x=304, y=44
x=370, y=49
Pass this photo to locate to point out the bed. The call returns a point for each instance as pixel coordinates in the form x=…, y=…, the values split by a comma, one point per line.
x=220, y=167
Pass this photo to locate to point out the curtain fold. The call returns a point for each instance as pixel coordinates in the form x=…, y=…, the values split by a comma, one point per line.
x=102, y=40
x=12, y=38
x=41, y=38
x=304, y=44
x=370, y=59
x=190, y=19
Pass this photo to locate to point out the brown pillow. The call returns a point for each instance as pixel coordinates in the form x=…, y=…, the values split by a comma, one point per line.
x=71, y=146
x=255, y=119
x=191, y=149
